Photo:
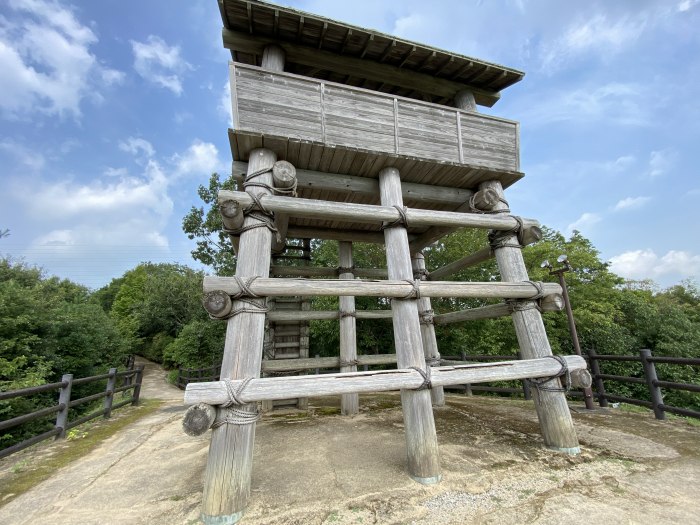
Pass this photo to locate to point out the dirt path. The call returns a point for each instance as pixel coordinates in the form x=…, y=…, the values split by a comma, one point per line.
x=320, y=468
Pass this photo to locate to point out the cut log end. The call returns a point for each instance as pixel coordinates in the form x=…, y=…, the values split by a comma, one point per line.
x=198, y=419
x=217, y=303
x=485, y=199
x=531, y=234
x=284, y=174
x=581, y=379
x=231, y=214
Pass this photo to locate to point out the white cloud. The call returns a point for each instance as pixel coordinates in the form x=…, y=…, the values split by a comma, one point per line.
x=157, y=62
x=200, y=159
x=643, y=264
x=687, y=5
x=137, y=146
x=584, y=223
x=612, y=103
x=225, y=107
x=631, y=203
x=599, y=34
x=115, y=172
x=26, y=159
x=46, y=61
x=662, y=161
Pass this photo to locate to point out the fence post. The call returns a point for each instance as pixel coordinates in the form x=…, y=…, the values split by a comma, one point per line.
x=64, y=399
x=109, y=393
x=657, y=399
x=318, y=370
x=467, y=387
x=599, y=386
x=526, y=385
x=137, y=386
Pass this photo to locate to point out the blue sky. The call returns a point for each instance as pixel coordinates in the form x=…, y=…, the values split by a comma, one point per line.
x=112, y=113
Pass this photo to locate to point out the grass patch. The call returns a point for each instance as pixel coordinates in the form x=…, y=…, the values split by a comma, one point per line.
x=28, y=473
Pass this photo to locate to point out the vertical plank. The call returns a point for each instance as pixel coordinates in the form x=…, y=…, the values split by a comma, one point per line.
x=349, y=403
x=552, y=410
x=230, y=460
x=427, y=329
x=109, y=393
x=657, y=399
x=421, y=438
x=64, y=399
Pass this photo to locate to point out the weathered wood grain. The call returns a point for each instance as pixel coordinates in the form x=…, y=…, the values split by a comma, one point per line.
x=215, y=392
x=349, y=403
x=553, y=412
x=317, y=271
x=421, y=437
x=229, y=464
x=282, y=104
x=369, y=213
x=550, y=303
x=287, y=365
x=321, y=315
x=389, y=288
x=427, y=329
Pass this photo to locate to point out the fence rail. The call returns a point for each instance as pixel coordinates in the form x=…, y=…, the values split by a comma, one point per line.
x=131, y=379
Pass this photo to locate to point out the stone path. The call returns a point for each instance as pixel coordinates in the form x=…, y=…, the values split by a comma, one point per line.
x=320, y=468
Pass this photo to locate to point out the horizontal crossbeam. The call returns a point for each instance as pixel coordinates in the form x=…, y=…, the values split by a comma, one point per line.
x=272, y=388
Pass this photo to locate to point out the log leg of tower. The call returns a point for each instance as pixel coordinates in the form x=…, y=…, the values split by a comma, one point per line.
x=552, y=410
x=421, y=438
x=349, y=403
x=230, y=461
x=427, y=329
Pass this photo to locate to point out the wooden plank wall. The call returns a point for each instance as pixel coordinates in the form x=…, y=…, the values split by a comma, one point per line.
x=285, y=105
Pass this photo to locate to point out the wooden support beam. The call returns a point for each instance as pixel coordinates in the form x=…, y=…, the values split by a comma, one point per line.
x=266, y=287
x=427, y=329
x=284, y=178
x=369, y=213
x=337, y=182
x=552, y=410
x=316, y=271
x=550, y=303
x=215, y=393
x=291, y=365
x=323, y=315
x=306, y=232
x=229, y=464
x=448, y=270
x=349, y=403
x=421, y=437
x=357, y=67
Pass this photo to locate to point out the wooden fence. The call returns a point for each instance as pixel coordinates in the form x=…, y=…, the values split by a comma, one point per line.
x=648, y=377
x=131, y=380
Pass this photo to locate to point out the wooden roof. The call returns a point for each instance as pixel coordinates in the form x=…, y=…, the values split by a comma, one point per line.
x=370, y=59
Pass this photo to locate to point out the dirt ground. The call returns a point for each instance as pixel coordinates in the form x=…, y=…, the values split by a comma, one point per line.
x=320, y=468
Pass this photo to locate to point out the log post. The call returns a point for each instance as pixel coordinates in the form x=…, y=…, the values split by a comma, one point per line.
x=421, y=437
x=109, y=392
x=552, y=410
x=349, y=403
x=230, y=461
x=657, y=400
x=599, y=385
x=465, y=100
x=137, y=386
x=427, y=329
x=64, y=401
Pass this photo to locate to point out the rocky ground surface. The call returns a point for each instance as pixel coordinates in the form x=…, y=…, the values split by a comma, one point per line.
x=317, y=467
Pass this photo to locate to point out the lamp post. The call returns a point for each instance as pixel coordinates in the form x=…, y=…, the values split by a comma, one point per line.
x=564, y=267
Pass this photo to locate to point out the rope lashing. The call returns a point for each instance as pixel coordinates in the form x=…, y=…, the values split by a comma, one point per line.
x=504, y=238
x=264, y=218
x=346, y=314
x=421, y=274
x=426, y=316
x=402, y=221
x=540, y=384
x=539, y=287
x=247, y=296
x=232, y=415
x=433, y=361
x=414, y=293
x=345, y=269
x=352, y=362
x=474, y=209
x=248, y=182
x=425, y=374
x=522, y=306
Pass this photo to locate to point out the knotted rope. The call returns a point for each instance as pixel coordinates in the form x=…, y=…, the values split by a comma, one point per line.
x=540, y=384
x=401, y=221
x=247, y=296
x=504, y=238
x=425, y=374
x=414, y=293
x=474, y=209
x=426, y=316
x=229, y=414
x=248, y=182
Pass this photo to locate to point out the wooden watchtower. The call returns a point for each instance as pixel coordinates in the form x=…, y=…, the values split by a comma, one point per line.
x=348, y=134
